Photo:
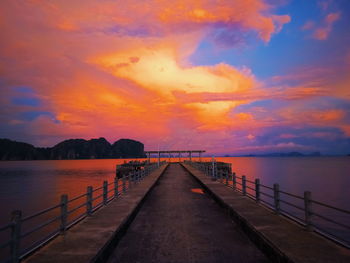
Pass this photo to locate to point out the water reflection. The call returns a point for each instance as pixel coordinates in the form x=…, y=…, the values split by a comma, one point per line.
x=197, y=190
x=326, y=177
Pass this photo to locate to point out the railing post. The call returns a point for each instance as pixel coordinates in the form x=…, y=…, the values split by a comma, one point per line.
x=89, y=200
x=64, y=213
x=131, y=179
x=257, y=190
x=105, y=192
x=308, y=210
x=116, y=184
x=124, y=183
x=213, y=168
x=226, y=176
x=276, y=197
x=244, y=185
x=16, y=217
x=128, y=180
x=234, y=180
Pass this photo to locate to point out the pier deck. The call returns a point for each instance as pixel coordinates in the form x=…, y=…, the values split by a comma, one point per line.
x=180, y=223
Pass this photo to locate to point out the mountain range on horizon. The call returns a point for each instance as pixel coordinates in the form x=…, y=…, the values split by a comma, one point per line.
x=284, y=154
x=72, y=149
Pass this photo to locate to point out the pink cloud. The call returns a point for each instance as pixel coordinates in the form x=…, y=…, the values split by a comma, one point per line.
x=322, y=32
x=324, y=5
x=308, y=25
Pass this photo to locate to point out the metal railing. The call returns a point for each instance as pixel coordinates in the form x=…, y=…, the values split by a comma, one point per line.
x=301, y=209
x=64, y=215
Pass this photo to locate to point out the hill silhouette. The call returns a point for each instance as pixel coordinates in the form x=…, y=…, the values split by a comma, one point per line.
x=72, y=149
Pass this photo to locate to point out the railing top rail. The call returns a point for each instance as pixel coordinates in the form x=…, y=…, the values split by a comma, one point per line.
x=98, y=188
x=40, y=212
x=265, y=186
x=249, y=181
x=293, y=195
x=76, y=198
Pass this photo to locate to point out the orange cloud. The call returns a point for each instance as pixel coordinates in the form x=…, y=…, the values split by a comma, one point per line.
x=244, y=116
x=122, y=70
x=328, y=115
x=293, y=115
x=156, y=17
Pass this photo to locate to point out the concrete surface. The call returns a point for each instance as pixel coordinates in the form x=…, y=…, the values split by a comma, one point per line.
x=179, y=223
x=281, y=239
x=91, y=239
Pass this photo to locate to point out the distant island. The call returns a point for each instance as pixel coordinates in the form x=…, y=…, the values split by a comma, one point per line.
x=278, y=154
x=72, y=149
x=288, y=154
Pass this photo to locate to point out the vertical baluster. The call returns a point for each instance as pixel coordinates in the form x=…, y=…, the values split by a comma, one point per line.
x=64, y=213
x=124, y=183
x=16, y=217
x=276, y=197
x=213, y=168
x=234, y=180
x=131, y=179
x=308, y=210
x=89, y=200
x=257, y=190
x=105, y=192
x=116, y=185
x=128, y=179
x=244, y=185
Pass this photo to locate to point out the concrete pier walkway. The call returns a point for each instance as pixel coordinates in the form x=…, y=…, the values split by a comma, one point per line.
x=180, y=223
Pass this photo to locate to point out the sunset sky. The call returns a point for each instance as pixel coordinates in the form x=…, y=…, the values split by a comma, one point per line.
x=226, y=76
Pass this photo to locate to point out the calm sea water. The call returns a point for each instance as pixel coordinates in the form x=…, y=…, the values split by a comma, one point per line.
x=328, y=178
x=34, y=185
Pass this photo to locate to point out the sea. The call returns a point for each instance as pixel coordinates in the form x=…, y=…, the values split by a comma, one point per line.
x=31, y=186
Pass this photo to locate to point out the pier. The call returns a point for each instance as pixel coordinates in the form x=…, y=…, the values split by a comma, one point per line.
x=180, y=212
x=179, y=223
